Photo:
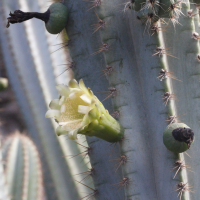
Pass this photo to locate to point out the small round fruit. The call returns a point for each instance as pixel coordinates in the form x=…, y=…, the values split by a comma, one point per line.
x=57, y=19
x=3, y=83
x=178, y=137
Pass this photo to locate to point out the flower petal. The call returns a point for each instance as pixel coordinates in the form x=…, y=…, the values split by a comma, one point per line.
x=63, y=108
x=63, y=90
x=61, y=100
x=82, y=85
x=86, y=120
x=93, y=113
x=73, y=95
x=85, y=98
x=73, y=134
x=52, y=113
x=70, y=122
x=85, y=90
x=83, y=109
x=73, y=84
x=61, y=131
x=90, y=92
x=54, y=104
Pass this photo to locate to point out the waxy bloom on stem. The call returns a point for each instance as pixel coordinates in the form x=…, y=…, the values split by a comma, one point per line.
x=78, y=111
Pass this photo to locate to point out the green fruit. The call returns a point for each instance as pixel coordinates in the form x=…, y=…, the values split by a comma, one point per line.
x=57, y=19
x=3, y=83
x=178, y=137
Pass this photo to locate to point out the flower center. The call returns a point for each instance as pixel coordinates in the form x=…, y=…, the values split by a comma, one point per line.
x=70, y=116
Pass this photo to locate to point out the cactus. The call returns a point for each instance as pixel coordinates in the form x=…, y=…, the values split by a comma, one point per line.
x=23, y=168
x=133, y=45
x=4, y=194
x=27, y=83
x=135, y=42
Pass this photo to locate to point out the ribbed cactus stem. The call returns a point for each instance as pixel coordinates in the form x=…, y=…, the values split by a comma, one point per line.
x=33, y=179
x=14, y=169
x=186, y=68
x=136, y=58
x=26, y=85
x=35, y=32
x=4, y=194
x=23, y=169
x=89, y=67
x=132, y=50
x=136, y=61
x=50, y=65
x=168, y=84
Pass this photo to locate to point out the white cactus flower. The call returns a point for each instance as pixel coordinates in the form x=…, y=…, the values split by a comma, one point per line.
x=78, y=111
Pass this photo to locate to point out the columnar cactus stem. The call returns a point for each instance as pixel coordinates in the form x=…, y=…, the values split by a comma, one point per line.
x=85, y=64
x=23, y=169
x=140, y=70
x=4, y=194
x=133, y=45
x=27, y=88
x=187, y=69
x=48, y=63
